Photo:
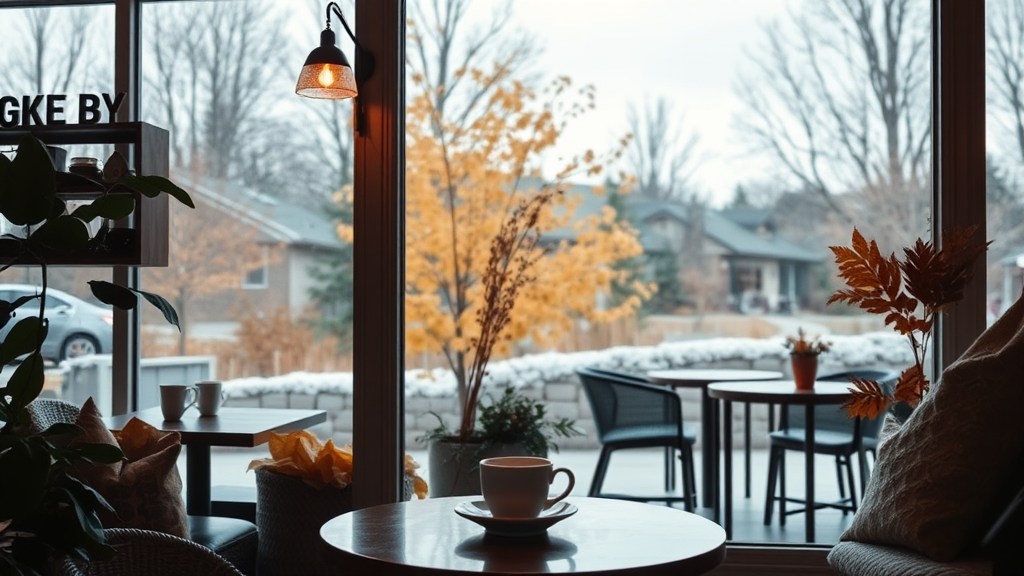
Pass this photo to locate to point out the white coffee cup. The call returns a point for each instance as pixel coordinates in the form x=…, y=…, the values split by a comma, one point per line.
x=175, y=398
x=211, y=396
x=517, y=486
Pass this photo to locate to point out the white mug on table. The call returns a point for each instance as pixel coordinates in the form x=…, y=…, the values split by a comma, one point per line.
x=211, y=396
x=175, y=398
x=517, y=486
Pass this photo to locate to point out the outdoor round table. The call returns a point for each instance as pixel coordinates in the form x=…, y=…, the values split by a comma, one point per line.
x=700, y=378
x=782, y=392
x=604, y=537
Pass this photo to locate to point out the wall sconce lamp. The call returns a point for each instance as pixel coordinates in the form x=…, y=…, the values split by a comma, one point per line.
x=327, y=73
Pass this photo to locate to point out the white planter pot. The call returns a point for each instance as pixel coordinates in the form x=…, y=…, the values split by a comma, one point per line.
x=453, y=467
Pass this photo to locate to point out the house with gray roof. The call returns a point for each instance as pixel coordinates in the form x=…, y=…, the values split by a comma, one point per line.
x=745, y=262
x=294, y=240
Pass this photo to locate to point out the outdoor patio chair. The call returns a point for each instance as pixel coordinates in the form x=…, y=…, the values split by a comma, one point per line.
x=670, y=469
x=632, y=414
x=834, y=434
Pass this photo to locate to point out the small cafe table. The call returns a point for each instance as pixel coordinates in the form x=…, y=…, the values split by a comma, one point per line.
x=782, y=392
x=241, y=427
x=604, y=537
x=700, y=378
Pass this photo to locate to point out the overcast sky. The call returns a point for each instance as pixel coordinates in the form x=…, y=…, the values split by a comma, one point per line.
x=688, y=51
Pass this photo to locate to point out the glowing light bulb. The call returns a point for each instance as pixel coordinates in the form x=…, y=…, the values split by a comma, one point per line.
x=326, y=77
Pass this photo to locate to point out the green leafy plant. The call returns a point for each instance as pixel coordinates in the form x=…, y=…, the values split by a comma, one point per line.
x=513, y=418
x=44, y=510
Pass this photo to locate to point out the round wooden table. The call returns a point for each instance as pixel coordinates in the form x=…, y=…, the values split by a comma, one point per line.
x=604, y=537
x=782, y=392
x=700, y=378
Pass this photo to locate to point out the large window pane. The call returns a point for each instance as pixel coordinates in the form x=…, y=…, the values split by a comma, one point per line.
x=1005, y=160
x=727, y=144
x=78, y=344
x=259, y=274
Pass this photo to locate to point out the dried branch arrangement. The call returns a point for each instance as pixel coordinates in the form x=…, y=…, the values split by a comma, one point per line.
x=910, y=292
x=513, y=253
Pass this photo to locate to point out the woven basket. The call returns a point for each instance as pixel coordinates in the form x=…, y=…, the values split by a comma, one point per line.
x=289, y=514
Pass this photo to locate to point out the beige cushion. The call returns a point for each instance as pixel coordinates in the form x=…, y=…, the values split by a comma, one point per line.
x=942, y=475
x=145, y=488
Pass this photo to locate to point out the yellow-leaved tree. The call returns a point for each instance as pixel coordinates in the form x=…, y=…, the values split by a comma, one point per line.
x=464, y=175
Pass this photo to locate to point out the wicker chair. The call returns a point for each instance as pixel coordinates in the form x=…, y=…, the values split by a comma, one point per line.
x=150, y=553
x=46, y=412
x=234, y=540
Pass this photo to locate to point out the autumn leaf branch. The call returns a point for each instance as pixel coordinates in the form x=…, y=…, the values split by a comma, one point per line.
x=910, y=293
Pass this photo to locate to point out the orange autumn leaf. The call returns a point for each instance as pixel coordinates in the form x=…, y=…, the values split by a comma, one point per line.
x=867, y=399
x=909, y=293
x=911, y=386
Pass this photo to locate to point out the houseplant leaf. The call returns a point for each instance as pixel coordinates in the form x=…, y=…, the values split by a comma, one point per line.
x=23, y=338
x=111, y=206
x=152, y=186
x=7, y=308
x=27, y=381
x=21, y=493
x=64, y=234
x=162, y=305
x=112, y=294
x=31, y=185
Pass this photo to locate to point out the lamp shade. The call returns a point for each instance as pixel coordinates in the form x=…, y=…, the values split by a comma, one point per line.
x=327, y=73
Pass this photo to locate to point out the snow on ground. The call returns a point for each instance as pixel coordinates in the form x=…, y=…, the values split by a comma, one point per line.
x=534, y=370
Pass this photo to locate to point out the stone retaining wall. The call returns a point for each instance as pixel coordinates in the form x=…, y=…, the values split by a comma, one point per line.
x=562, y=397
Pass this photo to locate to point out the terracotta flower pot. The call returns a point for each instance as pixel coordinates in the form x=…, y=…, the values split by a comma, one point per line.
x=805, y=370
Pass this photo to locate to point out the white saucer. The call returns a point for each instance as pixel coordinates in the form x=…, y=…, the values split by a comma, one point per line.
x=478, y=512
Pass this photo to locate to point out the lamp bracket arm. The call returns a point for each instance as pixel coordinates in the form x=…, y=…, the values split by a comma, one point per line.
x=337, y=11
x=366, y=64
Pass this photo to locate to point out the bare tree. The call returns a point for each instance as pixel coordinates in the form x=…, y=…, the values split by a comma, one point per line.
x=660, y=157
x=214, y=80
x=47, y=67
x=1006, y=72
x=444, y=48
x=840, y=100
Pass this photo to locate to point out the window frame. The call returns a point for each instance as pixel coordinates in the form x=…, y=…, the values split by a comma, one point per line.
x=958, y=201
x=264, y=270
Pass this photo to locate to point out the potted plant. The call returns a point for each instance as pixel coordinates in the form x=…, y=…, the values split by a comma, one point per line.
x=45, y=511
x=512, y=425
x=911, y=292
x=803, y=358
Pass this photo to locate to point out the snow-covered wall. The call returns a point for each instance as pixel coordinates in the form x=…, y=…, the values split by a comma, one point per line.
x=550, y=377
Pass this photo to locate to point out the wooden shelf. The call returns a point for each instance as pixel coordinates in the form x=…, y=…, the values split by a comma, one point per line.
x=142, y=237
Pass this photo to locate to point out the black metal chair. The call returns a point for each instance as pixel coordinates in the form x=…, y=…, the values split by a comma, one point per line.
x=835, y=435
x=632, y=414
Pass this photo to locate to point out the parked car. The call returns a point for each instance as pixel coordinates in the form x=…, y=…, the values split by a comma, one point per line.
x=77, y=328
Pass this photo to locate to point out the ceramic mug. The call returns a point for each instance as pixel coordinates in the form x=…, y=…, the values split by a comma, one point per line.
x=211, y=396
x=517, y=486
x=175, y=399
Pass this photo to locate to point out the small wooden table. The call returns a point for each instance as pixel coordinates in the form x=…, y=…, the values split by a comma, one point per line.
x=604, y=537
x=242, y=427
x=700, y=378
x=783, y=392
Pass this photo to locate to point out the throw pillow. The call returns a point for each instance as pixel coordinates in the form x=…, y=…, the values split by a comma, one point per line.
x=145, y=488
x=940, y=476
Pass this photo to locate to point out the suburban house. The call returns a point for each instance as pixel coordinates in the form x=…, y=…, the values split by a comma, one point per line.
x=743, y=259
x=293, y=240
